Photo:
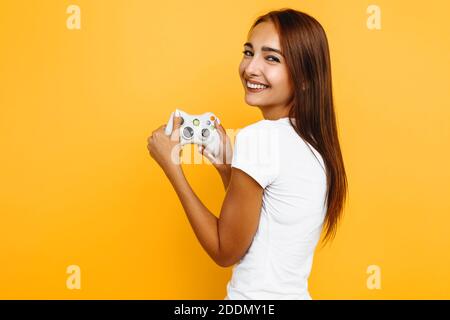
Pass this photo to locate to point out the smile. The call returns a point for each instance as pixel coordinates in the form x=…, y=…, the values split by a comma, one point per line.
x=252, y=87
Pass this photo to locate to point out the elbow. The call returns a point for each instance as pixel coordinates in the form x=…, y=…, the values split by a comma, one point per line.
x=226, y=261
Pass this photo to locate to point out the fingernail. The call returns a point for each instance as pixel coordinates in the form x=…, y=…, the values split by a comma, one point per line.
x=218, y=120
x=177, y=113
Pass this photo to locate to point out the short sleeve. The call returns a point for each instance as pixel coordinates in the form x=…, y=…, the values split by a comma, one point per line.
x=256, y=152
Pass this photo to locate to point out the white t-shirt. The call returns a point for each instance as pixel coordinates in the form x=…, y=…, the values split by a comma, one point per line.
x=278, y=262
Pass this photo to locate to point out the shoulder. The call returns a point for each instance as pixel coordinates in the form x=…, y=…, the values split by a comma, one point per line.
x=253, y=127
x=276, y=138
x=256, y=152
x=256, y=137
x=260, y=130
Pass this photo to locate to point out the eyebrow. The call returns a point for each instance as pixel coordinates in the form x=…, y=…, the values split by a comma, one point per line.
x=264, y=48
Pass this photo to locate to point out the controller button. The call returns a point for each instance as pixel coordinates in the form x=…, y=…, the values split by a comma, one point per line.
x=208, y=122
x=196, y=122
x=188, y=132
x=205, y=133
x=213, y=118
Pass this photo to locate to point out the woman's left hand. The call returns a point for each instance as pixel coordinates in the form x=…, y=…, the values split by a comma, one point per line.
x=166, y=149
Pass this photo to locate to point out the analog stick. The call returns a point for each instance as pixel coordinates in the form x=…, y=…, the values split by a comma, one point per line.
x=188, y=132
x=205, y=133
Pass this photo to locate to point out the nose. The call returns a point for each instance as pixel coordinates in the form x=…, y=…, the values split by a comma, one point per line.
x=253, y=67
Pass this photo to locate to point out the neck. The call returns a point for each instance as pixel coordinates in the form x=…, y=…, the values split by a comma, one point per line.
x=274, y=113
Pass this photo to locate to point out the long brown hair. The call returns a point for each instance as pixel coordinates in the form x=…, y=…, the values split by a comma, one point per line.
x=305, y=47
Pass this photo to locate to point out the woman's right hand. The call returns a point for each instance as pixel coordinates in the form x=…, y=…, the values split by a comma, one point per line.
x=222, y=162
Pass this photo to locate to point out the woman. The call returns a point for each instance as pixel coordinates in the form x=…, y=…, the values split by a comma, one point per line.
x=275, y=207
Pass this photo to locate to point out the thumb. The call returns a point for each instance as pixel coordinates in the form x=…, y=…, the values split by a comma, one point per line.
x=202, y=150
x=220, y=129
x=176, y=128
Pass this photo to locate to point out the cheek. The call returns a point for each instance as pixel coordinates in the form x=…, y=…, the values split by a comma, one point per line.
x=278, y=79
x=242, y=66
x=282, y=77
x=281, y=84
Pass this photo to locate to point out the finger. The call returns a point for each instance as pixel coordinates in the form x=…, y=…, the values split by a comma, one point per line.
x=223, y=141
x=209, y=156
x=220, y=128
x=161, y=128
x=223, y=137
x=205, y=153
x=157, y=130
x=149, y=142
x=176, y=128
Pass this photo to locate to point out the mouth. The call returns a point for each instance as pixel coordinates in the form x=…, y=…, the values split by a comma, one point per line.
x=255, y=87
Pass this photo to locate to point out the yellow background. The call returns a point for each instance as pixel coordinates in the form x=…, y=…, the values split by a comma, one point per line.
x=79, y=187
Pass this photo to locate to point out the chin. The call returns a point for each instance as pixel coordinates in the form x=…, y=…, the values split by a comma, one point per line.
x=251, y=102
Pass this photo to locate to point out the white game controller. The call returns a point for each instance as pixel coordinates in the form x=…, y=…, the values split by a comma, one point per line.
x=197, y=129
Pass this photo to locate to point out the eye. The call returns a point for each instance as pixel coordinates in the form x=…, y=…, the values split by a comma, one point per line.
x=268, y=57
x=275, y=59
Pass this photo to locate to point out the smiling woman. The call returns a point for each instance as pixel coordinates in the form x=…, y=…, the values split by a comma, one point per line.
x=286, y=176
x=264, y=72
x=286, y=73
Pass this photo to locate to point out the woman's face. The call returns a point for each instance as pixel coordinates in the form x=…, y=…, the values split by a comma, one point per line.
x=261, y=64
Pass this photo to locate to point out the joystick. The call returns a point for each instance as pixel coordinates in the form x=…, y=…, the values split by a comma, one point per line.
x=197, y=129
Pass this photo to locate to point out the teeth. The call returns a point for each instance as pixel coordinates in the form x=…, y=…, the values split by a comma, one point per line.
x=256, y=86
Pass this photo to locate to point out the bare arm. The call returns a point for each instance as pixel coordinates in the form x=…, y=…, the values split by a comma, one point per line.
x=225, y=175
x=227, y=238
